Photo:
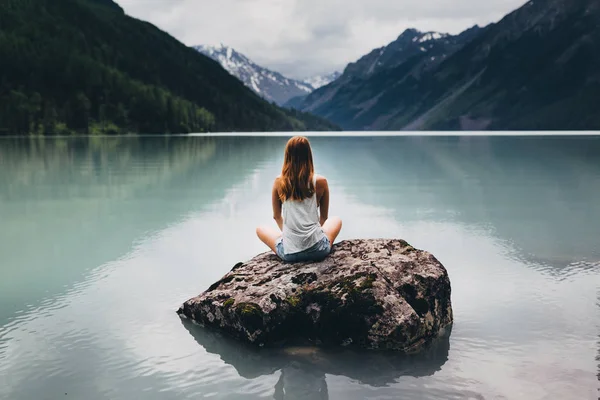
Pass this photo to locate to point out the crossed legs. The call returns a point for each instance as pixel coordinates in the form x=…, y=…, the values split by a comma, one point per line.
x=269, y=235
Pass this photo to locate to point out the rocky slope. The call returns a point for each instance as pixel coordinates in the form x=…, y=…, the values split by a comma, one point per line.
x=378, y=294
x=538, y=68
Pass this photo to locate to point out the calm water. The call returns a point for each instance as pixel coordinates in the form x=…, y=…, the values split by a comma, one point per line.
x=102, y=239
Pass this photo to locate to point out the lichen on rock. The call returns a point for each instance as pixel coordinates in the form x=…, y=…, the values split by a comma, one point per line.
x=375, y=294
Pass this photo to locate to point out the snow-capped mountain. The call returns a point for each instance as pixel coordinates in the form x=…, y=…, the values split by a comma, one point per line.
x=268, y=84
x=321, y=80
x=361, y=82
x=410, y=43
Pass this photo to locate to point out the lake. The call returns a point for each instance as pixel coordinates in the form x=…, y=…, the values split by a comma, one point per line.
x=103, y=238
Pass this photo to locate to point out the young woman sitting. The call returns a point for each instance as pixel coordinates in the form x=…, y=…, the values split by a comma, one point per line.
x=300, y=207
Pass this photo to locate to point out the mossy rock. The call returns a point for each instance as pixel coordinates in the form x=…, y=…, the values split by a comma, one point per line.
x=375, y=294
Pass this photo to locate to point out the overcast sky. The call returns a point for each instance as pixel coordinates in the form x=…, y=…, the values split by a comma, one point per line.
x=302, y=38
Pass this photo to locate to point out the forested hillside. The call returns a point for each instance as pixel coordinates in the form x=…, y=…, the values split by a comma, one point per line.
x=84, y=66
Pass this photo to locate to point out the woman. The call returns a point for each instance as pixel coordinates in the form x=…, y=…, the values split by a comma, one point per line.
x=298, y=195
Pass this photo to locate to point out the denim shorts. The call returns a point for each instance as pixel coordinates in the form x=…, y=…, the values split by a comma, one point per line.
x=317, y=252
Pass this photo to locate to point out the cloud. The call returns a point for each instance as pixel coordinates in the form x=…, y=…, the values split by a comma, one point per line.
x=302, y=38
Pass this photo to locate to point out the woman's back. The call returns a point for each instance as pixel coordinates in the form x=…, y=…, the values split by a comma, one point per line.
x=301, y=227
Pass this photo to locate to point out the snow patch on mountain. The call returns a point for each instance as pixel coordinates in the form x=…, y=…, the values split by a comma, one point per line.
x=427, y=36
x=268, y=84
x=432, y=36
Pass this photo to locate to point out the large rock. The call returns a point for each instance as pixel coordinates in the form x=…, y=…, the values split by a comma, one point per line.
x=377, y=294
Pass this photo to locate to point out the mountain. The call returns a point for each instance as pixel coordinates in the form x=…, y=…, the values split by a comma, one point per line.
x=536, y=69
x=430, y=48
x=271, y=85
x=316, y=82
x=268, y=84
x=321, y=80
x=84, y=66
x=425, y=50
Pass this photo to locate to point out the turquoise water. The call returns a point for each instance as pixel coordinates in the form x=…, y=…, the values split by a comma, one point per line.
x=103, y=238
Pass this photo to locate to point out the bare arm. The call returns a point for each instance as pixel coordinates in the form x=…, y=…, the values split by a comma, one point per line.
x=324, y=202
x=276, y=206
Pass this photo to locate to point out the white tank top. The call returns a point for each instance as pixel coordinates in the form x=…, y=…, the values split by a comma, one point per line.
x=301, y=227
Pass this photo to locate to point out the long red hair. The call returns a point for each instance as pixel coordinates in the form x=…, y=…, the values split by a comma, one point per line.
x=296, y=182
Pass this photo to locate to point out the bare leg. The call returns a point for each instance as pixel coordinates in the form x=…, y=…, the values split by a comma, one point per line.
x=332, y=228
x=268, y=236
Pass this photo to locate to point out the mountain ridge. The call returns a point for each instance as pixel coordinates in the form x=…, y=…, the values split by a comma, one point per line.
x=426, y=49
x=535, y=69
x=271, y=85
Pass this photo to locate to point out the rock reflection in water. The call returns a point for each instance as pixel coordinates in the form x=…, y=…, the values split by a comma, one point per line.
x=304, y=369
